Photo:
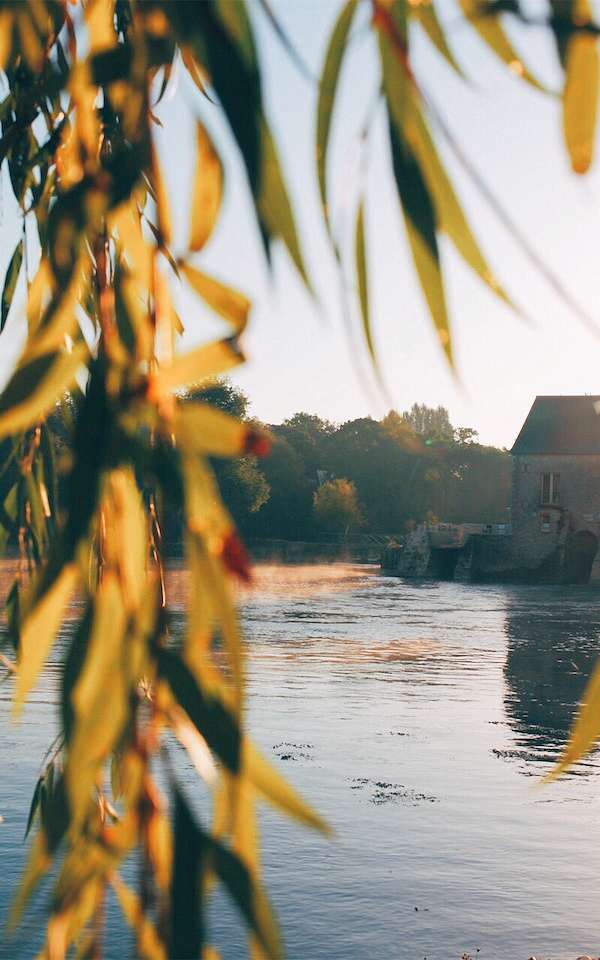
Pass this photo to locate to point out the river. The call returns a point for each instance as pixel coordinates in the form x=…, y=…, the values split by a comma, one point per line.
x=418, y=718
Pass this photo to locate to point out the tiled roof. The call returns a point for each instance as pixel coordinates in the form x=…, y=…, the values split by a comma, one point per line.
x=568, y=425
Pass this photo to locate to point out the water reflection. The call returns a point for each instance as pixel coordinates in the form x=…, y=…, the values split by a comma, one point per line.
x=553, y=642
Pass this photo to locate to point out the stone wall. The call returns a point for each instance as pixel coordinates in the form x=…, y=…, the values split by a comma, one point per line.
x=578, y=507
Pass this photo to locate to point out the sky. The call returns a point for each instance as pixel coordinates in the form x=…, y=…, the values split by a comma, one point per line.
x=307, y=354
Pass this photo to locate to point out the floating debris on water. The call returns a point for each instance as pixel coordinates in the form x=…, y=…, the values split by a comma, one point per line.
x=383, y=792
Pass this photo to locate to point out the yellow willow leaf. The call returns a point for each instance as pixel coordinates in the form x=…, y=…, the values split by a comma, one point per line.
x=580, y=100
x=100, y=700
x=426, y=15
x=30, y=42
x=160, y=849
x=99, y=20
x=362, y=274
x=6, y=36
x=327, y=92
x=128, y=522
x=126, y=220
x=35, y=387
x=166, y=320
x=39, y=630
x=194, y=367
x=205, y=512
x=38, y=863
x=491, y=31
x=149, y=945
x=104, y=647
x=61, y=318
x=202, y=429
x=274, y=788
x=84, y=94
x=451, y=218
x=585, y=730
x=208, y=190
x=210, y=953
x=40, y=292
x=162, y=200
x=228, y=303
x=430, y=277
x=195, y=744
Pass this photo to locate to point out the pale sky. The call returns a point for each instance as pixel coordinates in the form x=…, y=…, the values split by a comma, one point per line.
x=300, y=354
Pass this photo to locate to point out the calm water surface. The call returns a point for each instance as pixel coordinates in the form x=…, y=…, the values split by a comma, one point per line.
x=418, y=718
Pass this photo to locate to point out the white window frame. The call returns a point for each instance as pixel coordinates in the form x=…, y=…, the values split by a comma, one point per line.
x=551, y=481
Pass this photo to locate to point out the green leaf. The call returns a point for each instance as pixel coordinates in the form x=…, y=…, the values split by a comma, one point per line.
x=248, y=896
x=10, y=282
x=36, y=386
x=208, y=714
x=187, y=922
x=223, y=42
x=327, y=92
x=492, y=32
x=361, y=271
x=420, y=220
x=195, y=844
x=450, y=216
x=273, y=204
x=33, y=808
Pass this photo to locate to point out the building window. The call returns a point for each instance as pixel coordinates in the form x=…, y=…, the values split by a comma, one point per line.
x=545, y=522
x=550, y=489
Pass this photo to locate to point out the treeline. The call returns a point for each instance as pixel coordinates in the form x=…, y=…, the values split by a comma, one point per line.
x=320, y=478
x=374, y=476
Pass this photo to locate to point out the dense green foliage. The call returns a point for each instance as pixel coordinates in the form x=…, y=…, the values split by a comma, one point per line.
x=405, y=468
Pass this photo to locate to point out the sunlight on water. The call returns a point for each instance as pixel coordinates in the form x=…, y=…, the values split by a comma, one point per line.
x=419, y=719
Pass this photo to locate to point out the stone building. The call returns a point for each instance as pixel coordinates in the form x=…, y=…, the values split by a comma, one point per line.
x=555, y=509
x=555, y=513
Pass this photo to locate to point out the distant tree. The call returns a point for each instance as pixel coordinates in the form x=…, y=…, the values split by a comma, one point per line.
x=431, y=423
x=288, y=512
x=336, y=507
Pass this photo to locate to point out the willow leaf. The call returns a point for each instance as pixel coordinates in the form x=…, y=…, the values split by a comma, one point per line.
x=580, y=99
x=36, y=386
x=273, y=787
x=39, y=630
x=202, y=429
x=10, y=282
x=425, y=14
x=327, y=92
x=450, y=215
x=208, y=190
x=585, y=730
x=492, y=32
x=228, y=303
x=193, y=367
x=363, y=287
x=224, y=45
x=420, y=220
x=273, y=204
x=210, y=716
x=149, y=945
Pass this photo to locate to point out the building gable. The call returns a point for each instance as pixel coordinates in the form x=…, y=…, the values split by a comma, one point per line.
x=561, y=425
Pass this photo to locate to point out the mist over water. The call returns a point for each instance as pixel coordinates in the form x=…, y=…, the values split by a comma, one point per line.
x=418, y=718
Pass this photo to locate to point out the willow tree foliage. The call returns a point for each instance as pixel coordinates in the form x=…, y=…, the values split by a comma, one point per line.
x=100, y=325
